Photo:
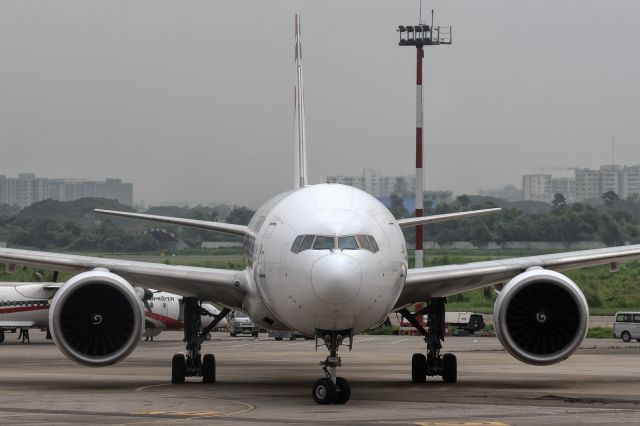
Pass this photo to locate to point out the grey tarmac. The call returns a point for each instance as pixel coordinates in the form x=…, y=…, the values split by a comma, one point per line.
x=266, y=382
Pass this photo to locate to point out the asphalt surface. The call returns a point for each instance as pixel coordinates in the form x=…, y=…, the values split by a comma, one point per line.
x=269, y=382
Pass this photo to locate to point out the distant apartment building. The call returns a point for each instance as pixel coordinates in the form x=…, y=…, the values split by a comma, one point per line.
x=623, y=180
x=588, y=184
x=537, y=188
x=630, y=182
x=508, y=193
x=376, y=184
x=27, y=189
x=565, y=186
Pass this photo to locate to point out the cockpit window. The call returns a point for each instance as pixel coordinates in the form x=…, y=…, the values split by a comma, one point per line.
x=347, y=243
x=323, y=243
x=296, y=244
x=363, y=242
x=374, y=245
x=307, y=242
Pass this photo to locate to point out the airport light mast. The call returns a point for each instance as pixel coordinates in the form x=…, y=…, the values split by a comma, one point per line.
x=419, y=36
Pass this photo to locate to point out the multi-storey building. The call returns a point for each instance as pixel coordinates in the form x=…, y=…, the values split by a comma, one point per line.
x=630, y=181
x=537, y=188
x=587, y=184
x=27, y=189
x=376, y=184
x=565, y=186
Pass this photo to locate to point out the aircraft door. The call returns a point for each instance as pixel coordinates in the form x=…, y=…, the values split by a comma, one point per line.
x=164, y=307
x=264, y=251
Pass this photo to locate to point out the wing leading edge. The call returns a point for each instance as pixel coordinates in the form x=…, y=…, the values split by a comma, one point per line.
x=227, y=287
x=226, y=228
x=415, y=221
x=441, y=281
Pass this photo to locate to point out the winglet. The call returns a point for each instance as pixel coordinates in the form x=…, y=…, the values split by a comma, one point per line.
x=414, y=221
x=300, y=179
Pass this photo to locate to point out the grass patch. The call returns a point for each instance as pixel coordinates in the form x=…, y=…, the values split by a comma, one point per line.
x=600, y=333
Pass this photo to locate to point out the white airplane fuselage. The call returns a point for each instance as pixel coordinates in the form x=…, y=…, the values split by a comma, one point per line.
x=323, y=288
x=28, y=303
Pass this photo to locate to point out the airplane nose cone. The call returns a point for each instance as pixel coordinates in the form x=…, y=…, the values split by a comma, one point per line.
x=336, y=278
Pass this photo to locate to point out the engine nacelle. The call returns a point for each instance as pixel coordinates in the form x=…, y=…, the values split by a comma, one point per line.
x=541, y=317
x=96, y=318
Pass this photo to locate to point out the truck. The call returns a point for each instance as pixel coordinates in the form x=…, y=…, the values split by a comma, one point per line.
x=243, y=325
x=465, y=323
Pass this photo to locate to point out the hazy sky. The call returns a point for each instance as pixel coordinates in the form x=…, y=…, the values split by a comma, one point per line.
x=192, y=100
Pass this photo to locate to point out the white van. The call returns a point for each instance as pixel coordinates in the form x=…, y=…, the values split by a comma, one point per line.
x=627, y=326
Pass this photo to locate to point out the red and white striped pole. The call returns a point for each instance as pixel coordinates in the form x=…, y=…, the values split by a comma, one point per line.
x=419, y=171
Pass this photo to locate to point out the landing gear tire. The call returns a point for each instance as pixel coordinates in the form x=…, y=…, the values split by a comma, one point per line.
x=324, y=391
x=343, y=391
x=1, y=336
x=178, y=369
x=626, y=336
x=449, y=368
x=418, y=368
x=278, y=338
x=254, y=334
x=232, y=334
x=208, y=368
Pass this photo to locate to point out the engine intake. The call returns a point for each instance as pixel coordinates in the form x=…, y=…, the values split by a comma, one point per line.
x=96, y=318
x=541, y=317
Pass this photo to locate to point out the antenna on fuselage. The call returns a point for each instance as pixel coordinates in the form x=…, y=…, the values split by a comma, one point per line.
x=300, y=179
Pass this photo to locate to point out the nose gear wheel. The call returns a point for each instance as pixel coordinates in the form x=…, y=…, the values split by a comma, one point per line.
x=332, y=389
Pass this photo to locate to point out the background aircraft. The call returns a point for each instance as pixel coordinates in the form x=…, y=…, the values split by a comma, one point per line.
x=325, y=260
x=164, y=312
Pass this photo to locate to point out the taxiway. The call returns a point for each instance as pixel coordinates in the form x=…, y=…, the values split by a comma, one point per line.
x=269, y=382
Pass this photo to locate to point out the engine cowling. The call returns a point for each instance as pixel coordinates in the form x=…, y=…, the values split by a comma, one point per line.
x=96, y=318
x=541, y=317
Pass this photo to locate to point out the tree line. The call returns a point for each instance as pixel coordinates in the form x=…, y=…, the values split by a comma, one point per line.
x=614, y=222
x=72, y=225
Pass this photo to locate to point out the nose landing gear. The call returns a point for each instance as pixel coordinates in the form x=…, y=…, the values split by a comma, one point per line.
x=332, y=389
x=434, y=363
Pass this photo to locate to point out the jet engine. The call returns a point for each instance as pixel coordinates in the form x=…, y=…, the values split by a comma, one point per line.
x=541, y=317
x=96, y=318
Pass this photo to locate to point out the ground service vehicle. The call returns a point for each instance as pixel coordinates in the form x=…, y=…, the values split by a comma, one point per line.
x=627, y=326
x=464, y=322
x=243, y=325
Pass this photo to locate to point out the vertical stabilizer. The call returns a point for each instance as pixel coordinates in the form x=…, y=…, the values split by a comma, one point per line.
x=301, y=150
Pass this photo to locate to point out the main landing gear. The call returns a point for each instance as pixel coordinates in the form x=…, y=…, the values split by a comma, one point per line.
x=332, y=389
x=194, y=364
x=434, y=363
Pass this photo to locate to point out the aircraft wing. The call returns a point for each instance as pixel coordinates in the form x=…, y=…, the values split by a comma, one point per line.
x=224, y=286
x=442, y=281
x=225, y=228
x=423, y=220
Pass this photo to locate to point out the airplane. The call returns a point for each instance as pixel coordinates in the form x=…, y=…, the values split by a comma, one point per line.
x=26, y=305
x=326, y=260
